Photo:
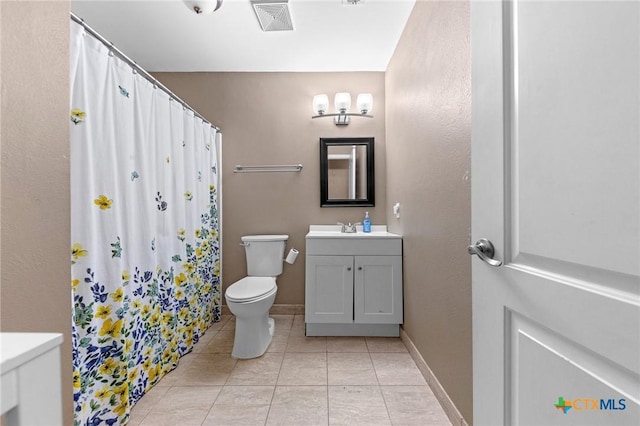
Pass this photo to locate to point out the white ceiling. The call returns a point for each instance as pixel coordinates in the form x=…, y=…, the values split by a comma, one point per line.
x=328, y=35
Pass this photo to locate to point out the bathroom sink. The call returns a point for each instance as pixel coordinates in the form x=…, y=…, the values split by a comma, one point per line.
x=334, y=231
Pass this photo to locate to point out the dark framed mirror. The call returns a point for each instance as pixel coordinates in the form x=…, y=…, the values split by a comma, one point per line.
x=347, y=172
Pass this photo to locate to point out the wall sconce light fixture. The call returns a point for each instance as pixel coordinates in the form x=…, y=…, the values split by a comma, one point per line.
x=342, y=102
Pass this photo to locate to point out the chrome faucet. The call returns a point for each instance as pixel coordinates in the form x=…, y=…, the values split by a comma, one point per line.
x=349, y=229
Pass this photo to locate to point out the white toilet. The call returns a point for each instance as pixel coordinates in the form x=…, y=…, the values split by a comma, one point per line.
x=250, y=298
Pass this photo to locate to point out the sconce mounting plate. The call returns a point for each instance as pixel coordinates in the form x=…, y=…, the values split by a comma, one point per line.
x=342, y=119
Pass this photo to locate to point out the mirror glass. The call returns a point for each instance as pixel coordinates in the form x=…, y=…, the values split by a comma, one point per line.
x=346, y=172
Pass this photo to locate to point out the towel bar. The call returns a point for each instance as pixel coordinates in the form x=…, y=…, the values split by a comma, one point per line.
x=266, y=168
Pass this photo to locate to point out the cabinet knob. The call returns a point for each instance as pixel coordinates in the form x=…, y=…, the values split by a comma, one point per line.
x=359, y=268
x=348, y=268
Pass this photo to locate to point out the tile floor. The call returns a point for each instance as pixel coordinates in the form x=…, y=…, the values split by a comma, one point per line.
x=298, y=381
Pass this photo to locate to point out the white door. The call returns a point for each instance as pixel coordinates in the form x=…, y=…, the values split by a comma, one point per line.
x=555, y=165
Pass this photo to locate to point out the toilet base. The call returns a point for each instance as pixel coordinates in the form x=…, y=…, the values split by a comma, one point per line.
x=253, y=337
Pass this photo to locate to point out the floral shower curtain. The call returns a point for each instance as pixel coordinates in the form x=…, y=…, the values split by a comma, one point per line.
x=145, y=246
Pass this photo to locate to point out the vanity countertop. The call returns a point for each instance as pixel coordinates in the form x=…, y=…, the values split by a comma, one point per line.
x=20, y=348
x=334, y=231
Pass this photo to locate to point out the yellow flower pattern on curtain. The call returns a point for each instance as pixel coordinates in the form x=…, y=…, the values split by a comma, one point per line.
x=145, y=245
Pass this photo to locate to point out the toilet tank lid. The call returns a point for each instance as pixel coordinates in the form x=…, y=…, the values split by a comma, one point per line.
x=264, y=238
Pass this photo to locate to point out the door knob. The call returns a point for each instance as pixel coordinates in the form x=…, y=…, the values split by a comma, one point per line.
x=485, y=251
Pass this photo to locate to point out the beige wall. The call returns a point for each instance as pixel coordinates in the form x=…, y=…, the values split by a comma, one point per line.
x=35, y=202
x=428, y=124
x=266, y=119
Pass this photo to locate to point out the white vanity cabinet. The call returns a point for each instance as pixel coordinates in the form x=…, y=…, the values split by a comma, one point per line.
x=30, y=379
x=353, y=283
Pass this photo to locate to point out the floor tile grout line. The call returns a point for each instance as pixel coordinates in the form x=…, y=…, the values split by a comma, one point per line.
x=273, y=394
x=212, y=404
x=386, y=405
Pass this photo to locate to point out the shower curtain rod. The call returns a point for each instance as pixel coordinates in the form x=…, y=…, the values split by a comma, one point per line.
x=138, y=68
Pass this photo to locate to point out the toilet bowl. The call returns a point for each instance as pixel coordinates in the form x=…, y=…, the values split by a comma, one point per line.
x=250, y=298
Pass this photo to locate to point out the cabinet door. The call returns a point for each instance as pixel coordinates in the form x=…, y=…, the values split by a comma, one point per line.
x=378, y=289
x=329, y=289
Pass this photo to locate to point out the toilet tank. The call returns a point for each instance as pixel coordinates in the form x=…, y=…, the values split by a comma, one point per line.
x=265, y=254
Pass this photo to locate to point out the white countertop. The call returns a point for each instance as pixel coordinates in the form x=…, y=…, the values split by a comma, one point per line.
x=334, y=231
x=19, y=348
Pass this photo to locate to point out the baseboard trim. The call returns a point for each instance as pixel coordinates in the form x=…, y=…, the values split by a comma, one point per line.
x=447, y=404
x=283, y=309
x=276, y=309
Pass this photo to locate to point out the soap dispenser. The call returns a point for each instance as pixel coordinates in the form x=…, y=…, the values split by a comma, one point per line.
x=366, y=223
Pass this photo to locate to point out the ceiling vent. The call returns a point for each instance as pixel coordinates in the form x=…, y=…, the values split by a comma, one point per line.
x=273, y=15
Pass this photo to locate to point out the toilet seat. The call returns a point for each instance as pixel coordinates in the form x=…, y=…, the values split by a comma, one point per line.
x=251, y=289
